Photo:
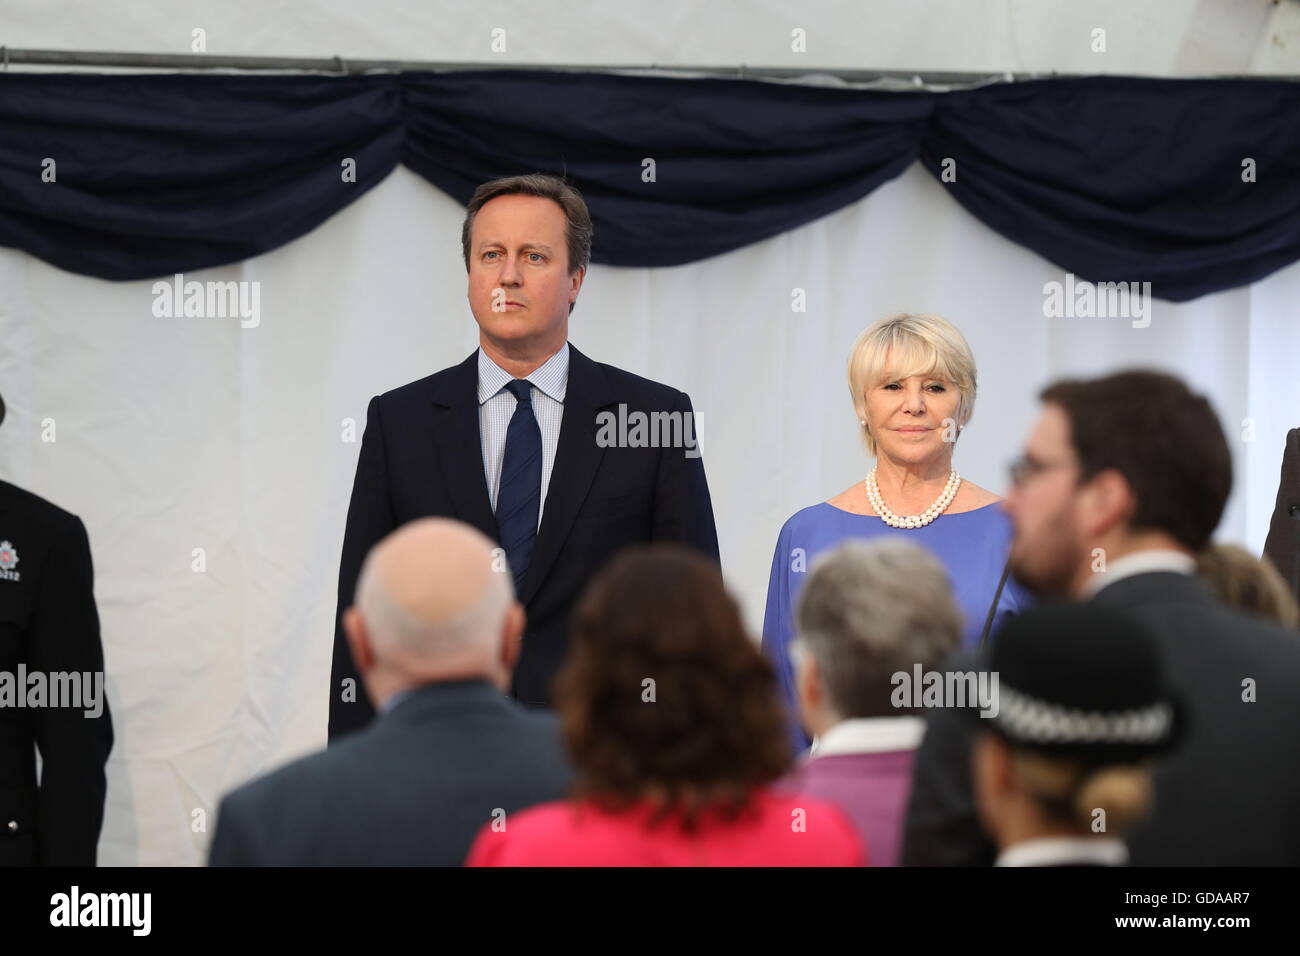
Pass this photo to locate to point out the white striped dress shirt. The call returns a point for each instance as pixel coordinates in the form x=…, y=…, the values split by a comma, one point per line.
x=496, y=406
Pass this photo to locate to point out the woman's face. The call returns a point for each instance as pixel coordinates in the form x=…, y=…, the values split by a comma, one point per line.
x=913, y=420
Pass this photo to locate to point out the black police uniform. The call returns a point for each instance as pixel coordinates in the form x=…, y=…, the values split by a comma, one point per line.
x=48, y=625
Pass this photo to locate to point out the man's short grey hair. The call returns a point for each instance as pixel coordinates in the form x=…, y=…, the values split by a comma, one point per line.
x=394, y=627
x=870, y=610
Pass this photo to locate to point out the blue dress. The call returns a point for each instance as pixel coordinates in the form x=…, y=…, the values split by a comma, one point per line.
x=972, y=545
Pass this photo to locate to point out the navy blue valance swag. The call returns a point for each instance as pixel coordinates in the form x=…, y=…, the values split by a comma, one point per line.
x=1193, y=185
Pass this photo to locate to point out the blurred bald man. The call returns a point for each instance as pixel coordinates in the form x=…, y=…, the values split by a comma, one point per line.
x=435, y=633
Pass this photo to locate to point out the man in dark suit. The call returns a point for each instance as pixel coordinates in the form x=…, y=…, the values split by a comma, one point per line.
x=527, y=439
x=49, y=627
x=435, y=633
x=1123, y=480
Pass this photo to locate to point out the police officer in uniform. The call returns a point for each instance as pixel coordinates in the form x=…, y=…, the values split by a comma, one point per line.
x=48, y=625
x=1063, y=769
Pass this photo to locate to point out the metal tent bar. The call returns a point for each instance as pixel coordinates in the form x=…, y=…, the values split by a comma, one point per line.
x=206, y=61
x=345, y=66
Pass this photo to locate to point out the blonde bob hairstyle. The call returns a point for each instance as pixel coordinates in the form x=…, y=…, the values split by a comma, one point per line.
x=903, y=345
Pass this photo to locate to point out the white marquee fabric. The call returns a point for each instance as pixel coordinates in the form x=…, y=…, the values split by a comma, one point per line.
x=174, y=434
x=1152, y=38
x=178, y=434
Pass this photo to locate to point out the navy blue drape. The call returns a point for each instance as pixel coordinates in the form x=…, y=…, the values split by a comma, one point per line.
x=163, y=174
x=734, y=161
x=1113, y=179
x=1126, y=179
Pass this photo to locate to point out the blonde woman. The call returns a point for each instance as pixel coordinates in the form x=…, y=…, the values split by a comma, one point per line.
x=912, y=380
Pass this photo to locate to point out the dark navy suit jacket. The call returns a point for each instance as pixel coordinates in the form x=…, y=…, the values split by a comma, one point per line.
x=1227, y=796
x=421, y=456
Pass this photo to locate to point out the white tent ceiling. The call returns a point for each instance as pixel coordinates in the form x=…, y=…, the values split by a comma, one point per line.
x=1154, y=37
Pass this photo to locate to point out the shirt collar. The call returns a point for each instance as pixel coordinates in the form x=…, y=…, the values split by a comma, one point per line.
x=869, y=735
x=1107, y=851
x=395, y=698
x=400, y=696
x=551, y=377
x=1140, y=562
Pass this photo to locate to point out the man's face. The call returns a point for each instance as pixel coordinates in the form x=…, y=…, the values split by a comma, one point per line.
x=1049, y=547
x=520, y=286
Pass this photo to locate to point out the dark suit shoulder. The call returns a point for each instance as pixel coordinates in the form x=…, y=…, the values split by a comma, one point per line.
x=36, y=510
x=300, y=777
x=620, y=380
x=1273, y=648
x=414, y=400
x=628, y=383
x=1176, y=605
x=371, y=749
x=370, y=798
x=420, y=392
x=530, y=721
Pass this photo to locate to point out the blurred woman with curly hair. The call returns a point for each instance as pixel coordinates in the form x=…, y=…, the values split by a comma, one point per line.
x=671, y=718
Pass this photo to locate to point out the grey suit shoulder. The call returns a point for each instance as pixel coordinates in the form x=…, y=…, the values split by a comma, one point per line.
x=412, y=789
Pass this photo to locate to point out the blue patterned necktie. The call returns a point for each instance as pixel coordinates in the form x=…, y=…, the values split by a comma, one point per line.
x=519, y=496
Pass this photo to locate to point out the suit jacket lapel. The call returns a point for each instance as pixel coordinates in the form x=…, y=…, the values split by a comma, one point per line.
x=576, y=459
x=459, y=448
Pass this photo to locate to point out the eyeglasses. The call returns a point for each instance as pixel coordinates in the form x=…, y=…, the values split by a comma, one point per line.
x=1024, y=468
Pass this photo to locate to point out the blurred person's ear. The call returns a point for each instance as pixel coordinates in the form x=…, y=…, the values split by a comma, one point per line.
x=991, y=780
x=363, y=652
x=512, y=633
x=1109, y=503
x=809, y=691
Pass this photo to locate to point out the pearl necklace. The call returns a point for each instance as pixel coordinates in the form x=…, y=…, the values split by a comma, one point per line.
x=911, y=521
